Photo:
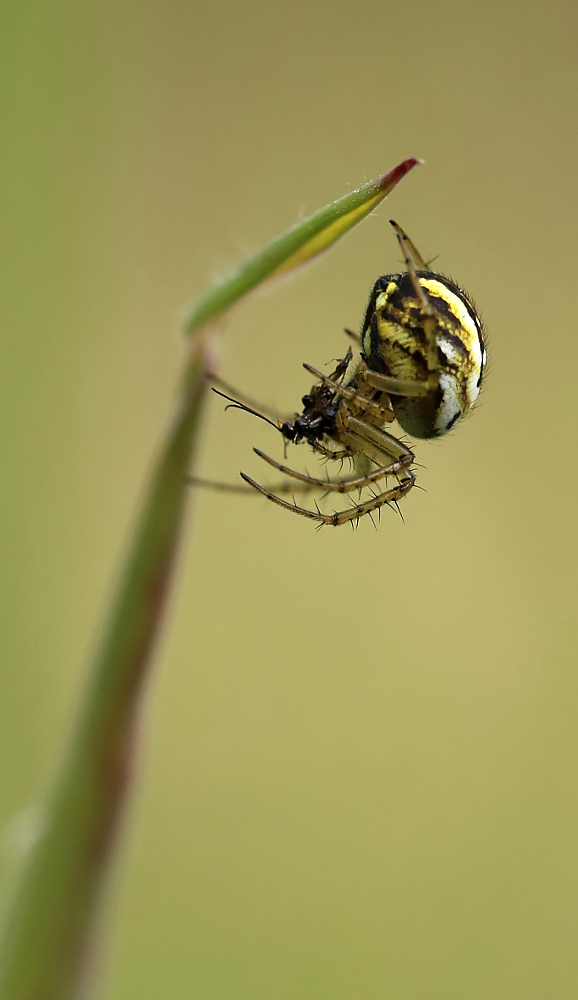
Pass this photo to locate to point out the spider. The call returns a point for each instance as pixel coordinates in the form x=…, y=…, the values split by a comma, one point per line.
x=421, y=362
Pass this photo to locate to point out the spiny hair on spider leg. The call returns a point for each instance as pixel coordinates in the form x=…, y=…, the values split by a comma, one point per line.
x=370, y=512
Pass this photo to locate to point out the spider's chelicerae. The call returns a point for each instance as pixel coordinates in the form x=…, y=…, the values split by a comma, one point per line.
x=421, y=363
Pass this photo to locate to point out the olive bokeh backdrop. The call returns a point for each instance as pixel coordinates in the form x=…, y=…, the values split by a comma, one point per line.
x=358, y=773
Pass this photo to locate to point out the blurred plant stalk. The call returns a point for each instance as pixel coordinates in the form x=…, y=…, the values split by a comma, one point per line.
x=48, y=934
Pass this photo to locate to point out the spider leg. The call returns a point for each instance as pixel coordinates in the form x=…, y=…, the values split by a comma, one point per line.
x=343, y=516
x=396, y=386
x=339, y=485
x=347, y=393
x=339, y=454
x=374, y=442
x=410, y=255
x=214, y=484
x=402, y=236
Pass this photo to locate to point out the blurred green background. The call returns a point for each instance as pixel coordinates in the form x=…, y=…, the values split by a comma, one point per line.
x=359, y=772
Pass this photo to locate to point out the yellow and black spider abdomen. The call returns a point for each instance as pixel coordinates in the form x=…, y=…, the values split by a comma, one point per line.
x=397, y=341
